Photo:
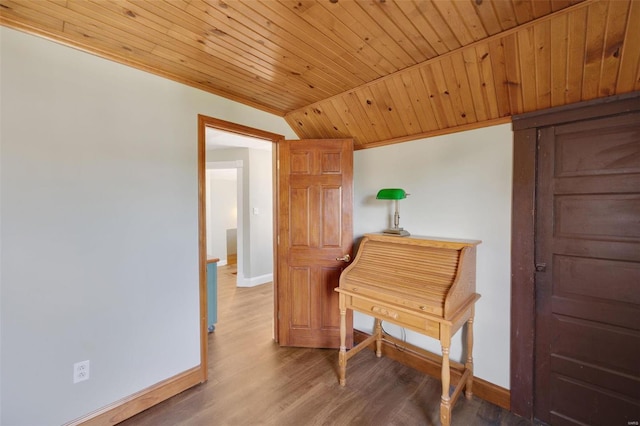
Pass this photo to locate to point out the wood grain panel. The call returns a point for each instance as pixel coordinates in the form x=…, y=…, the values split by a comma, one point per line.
x=629, y=72
x=331, y=205
x=375, y=71
x=486, y=81
x=558, y=45
x=514, y=74
x=591, y=149
x=299, y=199
x=499, y=74
x=580, y=339
x=300, y=285
x=526, y=51
x=607, y=216
x=596, y=23
x=475, y=85
x=330, y=318
x=614, y=39
x=460, y=72
x=542, y=46
x=301, y=162
x=414, y=84
x=587, y=277
x=600, y=408
x=523, y=11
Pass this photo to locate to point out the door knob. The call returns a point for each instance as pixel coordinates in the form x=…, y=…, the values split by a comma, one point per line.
x=346, y=258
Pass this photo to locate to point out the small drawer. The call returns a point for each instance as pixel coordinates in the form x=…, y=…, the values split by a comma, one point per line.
x=401, y=318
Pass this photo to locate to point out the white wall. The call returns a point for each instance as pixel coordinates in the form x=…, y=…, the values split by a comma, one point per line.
x=222, y=201
x=99, y=227
x=460, y=187
x=261, y=213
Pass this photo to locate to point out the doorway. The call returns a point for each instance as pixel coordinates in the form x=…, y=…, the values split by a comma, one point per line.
x=204, y=124
x=576, y=263
x=222, y=189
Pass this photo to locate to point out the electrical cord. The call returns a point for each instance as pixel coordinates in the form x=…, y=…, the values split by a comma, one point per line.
x=403, y=337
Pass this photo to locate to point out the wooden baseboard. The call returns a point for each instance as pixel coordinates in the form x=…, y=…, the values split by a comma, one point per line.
x=431, y=364
x=140, y=401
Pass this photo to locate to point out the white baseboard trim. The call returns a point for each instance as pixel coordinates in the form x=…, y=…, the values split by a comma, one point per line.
x=255, y=281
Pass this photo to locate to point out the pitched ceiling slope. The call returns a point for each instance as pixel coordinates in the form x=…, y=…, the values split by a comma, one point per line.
x=587, y=51
x=380, y=71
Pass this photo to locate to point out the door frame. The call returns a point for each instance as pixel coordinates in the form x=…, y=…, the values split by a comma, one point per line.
x=523, y=219
x=227, y=126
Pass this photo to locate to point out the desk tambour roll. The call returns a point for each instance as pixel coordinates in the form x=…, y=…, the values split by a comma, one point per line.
x=421, y=283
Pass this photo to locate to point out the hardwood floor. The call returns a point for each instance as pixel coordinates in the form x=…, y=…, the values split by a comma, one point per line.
x=253, y=381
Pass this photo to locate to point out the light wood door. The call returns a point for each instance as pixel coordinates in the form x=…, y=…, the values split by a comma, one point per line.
x=588, y=272
x=315, y=203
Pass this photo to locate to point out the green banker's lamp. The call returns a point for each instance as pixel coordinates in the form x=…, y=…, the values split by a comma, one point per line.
x=394, y=194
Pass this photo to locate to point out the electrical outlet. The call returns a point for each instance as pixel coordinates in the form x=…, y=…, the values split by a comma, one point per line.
x=81, y=371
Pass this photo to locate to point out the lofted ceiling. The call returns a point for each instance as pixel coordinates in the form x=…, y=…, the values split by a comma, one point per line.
x=379, y=71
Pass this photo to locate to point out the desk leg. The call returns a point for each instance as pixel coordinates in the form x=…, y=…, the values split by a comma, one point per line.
x=469, y=364
x=342, y=355
x=445, y=400
x=377, y=325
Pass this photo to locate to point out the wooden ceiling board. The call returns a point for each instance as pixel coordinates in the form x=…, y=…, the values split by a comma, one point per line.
x=377, y=71
x=525, y=66
x=424, y=110
x=302, y=59
x=426, y=30
x=542, y=48
x=558, y=61
x=382, y=33
x=541, y=8
x=576, y=36
x=472, y=70
x=628, y=78
x=616, y=28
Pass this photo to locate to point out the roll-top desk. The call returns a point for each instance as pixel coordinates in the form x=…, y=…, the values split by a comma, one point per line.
x=424, y=284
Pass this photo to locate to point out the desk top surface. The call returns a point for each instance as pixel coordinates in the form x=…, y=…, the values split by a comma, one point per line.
x=423, y=240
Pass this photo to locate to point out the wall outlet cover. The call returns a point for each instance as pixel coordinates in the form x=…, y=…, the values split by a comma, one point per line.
x=81, y=371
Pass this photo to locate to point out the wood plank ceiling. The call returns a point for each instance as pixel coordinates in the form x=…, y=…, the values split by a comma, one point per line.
x=379, y=71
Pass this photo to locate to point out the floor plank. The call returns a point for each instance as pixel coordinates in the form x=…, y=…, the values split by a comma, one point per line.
x=253, y=381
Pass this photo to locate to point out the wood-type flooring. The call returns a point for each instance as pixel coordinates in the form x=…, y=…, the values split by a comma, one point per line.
x=253, y=381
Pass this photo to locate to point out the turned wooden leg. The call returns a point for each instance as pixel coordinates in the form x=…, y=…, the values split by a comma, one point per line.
x=469, y=364
x=342, y=355
x=445, y=401
x=378, y=331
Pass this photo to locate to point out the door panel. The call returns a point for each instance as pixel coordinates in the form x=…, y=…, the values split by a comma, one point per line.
x=588, y=283
x=315, y=227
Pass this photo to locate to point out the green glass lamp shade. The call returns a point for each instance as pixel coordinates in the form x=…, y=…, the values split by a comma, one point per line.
x=394, y=194
x=391, y=194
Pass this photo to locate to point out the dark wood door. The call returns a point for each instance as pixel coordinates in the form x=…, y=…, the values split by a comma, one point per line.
x=588, y=273
x=315, y=203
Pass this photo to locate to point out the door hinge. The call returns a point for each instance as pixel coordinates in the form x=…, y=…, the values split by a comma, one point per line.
x=541, y=267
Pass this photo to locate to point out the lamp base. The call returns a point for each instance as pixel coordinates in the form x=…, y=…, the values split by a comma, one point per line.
x=399, y=232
